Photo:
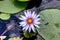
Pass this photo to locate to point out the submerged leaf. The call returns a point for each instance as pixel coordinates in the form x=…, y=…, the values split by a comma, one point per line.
x=50, y=31
x=28, y=34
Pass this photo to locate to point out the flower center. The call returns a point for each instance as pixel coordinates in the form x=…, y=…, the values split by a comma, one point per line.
x=29, y=20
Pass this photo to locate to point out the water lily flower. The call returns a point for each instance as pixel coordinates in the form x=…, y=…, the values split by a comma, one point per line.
x=30, y=20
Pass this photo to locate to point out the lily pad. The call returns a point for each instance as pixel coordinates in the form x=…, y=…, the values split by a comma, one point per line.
x=1, y=0
x=15, y=38
x=23, y=0
x=4, y=16
x=50, y=31
x=8, y=6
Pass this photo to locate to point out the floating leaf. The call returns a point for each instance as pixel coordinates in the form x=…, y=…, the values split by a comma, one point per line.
x=8, y=6
x=50, y=31
x=1, y=0
x=15, y=38
x=23, y=0
x=4, y=16
x=51, y=15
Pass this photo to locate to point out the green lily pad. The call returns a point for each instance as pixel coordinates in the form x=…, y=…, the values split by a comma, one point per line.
x=50, y=31
x=8, y=6
x=51, y=15
x=1, y=0
x=4, y=16
x=23, y=0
